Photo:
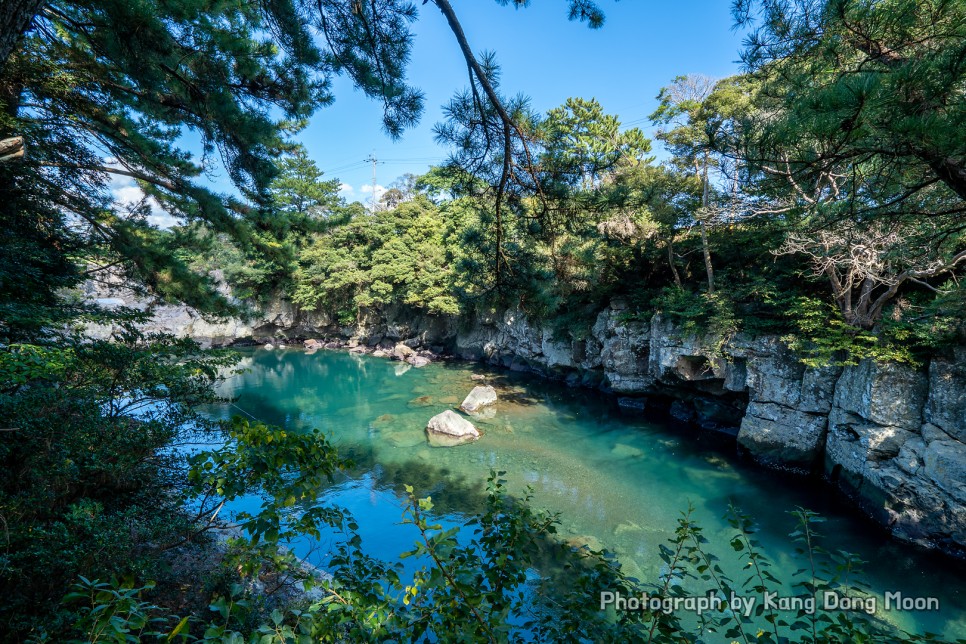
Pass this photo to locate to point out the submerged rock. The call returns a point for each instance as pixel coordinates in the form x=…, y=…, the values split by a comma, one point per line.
x=480, y=397
x=622, y=450
x=418, y=361
x=402, y=438
x=422, y=401
x=385, y=419
x=627, y=527
x=585, y=541
x=449, y=429
x=633, y=405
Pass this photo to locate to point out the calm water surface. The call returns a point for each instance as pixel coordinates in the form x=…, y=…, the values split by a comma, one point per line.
x=619, y=481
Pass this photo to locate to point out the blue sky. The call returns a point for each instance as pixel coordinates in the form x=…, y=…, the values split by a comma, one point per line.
x=640, y=48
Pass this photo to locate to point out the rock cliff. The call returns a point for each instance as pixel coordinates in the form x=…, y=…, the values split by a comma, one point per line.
x=891, y=437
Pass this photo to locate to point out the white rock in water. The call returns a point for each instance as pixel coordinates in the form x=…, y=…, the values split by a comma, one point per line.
x=449, y=429
x=269, y=346
x=401, y=351
x=418, y=361
x=480, y=397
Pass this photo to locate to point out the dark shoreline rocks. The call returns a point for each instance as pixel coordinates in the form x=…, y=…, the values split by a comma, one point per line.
x=890, y=437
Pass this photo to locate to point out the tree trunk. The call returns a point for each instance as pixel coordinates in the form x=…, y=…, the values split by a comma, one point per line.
x=15, y=19
x=11, y=149
x=704, y=228
x=670, y=261
x=950, y=171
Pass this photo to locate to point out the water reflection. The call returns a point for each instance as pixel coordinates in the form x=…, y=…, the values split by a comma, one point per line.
x=620, y=481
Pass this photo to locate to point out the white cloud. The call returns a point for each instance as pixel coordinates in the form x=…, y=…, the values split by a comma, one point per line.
x=367, y=190
x=127, y=194
x=345, y=190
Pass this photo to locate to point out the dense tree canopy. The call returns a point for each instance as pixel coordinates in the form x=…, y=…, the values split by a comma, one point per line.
x=109, y=89
x=819, y=196
x=859, y=131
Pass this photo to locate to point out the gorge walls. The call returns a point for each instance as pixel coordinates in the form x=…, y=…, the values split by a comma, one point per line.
x=889, y=436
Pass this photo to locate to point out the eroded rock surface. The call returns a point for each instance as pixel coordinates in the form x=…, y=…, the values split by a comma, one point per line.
x=892, y=437
x=478, y=398
x=449, y=429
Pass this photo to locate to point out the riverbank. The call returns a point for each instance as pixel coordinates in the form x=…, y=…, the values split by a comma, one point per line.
x=890, y=437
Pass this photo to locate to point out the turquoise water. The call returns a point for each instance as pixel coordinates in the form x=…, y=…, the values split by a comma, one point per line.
x=618, y=481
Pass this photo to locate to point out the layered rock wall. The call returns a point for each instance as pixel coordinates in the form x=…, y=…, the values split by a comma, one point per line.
x=892, y=437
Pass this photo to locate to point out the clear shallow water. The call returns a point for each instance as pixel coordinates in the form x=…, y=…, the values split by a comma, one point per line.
x=618, y=481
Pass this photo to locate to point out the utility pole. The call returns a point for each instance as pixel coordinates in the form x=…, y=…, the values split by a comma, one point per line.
x=372, y=159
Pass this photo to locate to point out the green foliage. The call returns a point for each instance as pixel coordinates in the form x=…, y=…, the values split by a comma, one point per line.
x=261, y=267
x=582, y=144
x=486, y=588
x=287, y=469
x=113, y=612
x=299, y=189
x=710, y=314
x=824, y=338
x=393, y=256
x=87, y=470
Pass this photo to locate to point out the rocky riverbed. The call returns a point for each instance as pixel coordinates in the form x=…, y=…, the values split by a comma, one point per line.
x=889, y=436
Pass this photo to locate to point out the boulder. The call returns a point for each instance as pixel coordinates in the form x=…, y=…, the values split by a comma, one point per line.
x=379, y=353
x=449, y=429
x=480, y=397
x=782, y=437
x=634, y=405
x=418, y=361
x=946, y=406
x=887, y=394
x=624, y=351
x=312, y=344
x=622, y=450
x=422, y=401
x=401, y=351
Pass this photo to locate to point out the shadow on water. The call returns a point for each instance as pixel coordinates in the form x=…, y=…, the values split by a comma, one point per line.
x=618, y=480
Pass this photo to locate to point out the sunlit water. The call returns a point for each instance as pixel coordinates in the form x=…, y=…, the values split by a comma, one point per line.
x=618, y=481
